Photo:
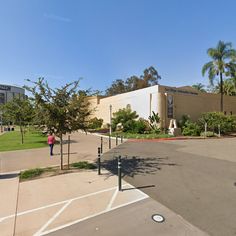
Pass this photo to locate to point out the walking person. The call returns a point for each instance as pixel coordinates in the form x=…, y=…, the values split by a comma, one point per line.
x=51, y=141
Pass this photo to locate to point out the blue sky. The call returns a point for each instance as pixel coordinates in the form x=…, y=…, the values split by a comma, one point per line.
x=104, y=40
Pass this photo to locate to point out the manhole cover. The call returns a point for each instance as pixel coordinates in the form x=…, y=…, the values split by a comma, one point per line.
x=158, y=218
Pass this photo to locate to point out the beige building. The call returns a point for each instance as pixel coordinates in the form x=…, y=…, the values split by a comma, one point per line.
x=169, y=102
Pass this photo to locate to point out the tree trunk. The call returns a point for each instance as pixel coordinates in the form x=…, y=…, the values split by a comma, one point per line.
x=221, y=93
x=22, y=135
x=61, y=151
x=68, y=164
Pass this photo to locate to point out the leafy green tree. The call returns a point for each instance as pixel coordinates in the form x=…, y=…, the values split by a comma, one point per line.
x=126, y=117
x=95, y=123
x=117, y=87
x=228, y=87
x=149, y=78
x=61, y=110
x=223, y=57
x=20, y=112
x=200, y=87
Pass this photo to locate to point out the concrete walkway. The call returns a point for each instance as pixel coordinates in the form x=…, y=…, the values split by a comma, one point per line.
x=83, y=147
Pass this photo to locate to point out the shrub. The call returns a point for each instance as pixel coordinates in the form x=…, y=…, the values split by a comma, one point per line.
x=191, y=129
x=83, y=165
x=183, y=121
x=126, y=117
x=141, y=126
x=208, y=134
x=216, y=119
x=154, y=120
x=95, y=123
x=28, y=174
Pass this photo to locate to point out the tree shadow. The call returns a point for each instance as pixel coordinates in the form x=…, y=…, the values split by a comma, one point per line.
x=135, y=165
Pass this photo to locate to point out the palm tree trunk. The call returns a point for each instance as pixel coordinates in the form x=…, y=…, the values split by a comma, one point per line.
x=221, y=93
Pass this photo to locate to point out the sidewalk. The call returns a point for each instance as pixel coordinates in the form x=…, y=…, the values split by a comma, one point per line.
x=83, y=147
x=50, y=204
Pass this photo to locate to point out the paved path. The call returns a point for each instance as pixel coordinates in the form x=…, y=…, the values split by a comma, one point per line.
x=83, y=147
x=198, y=184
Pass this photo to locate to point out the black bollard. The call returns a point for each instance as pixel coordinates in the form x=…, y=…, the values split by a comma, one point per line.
x=99, y=161
x=119, y=174
x=121, y=139
x=116, y=140
x=101, y=145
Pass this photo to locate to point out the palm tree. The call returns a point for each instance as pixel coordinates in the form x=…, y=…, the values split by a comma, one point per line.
x=200, y=87
x=223, y=61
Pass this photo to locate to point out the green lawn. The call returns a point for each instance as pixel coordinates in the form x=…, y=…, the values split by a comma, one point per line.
x=12, y=141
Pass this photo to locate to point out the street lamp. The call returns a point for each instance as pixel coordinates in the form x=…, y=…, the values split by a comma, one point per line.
x=110, y=117
x=1, y=121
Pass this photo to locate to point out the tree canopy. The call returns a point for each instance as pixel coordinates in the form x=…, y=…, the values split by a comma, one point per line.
x=61, y=110
x=222, y=64
x=149, y=78
x=20, y=112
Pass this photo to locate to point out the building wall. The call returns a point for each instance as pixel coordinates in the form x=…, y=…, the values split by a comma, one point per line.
x=186, y=101
x=142, y=101
x=8, y=92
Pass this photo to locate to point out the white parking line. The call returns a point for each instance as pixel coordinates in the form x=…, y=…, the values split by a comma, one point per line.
x=112, y=200
x=58, y=203
x=91, y=216
x=52, y=219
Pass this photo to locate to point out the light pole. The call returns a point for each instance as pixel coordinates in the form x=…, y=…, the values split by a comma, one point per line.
x=1, y=121
x=110, y=117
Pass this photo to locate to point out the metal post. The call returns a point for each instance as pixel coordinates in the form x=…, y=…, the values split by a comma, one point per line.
x=116, y=140
x=68, y=152
x=205, y=130
x=101, y=145
x=99, y=161
x=219, y=130
x=119, y=174
x=121, y=139
x=109, y=141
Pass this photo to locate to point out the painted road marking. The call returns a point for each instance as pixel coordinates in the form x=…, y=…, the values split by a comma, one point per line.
x=66, y=203
x=58, y=203
x=53, y=218
x=112, y=199
x=91, y=216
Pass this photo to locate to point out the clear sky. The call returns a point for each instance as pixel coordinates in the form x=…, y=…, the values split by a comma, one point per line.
x=104, y=40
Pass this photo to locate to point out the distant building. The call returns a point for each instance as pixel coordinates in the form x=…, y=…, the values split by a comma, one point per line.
x=169, y=102
x=8, y=92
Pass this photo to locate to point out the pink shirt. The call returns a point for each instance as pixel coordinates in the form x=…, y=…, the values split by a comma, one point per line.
x=51, y=139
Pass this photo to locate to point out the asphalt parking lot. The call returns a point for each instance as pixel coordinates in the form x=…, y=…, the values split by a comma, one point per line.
x=194, y=178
